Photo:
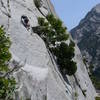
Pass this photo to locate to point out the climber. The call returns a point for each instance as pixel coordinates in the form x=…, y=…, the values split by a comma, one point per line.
x=25, y=21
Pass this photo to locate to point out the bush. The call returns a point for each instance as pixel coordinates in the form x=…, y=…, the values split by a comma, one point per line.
x=7, y=83
x=52, y=30
x=41, y=21
x=56, y=24
x=72, y=44
x=64, y=54
x=95, y=81
x=54, y=35
x=97, y=98
x=67, y=66
x=91, y=67
x=64, y=51
x=38, y=3
x=76, y=94
x=5, y=55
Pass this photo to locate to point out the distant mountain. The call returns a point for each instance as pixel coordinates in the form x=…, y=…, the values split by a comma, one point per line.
x=87, y=36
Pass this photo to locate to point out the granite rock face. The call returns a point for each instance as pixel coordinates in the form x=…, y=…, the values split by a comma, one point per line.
x=87, y=36
x=39, y=78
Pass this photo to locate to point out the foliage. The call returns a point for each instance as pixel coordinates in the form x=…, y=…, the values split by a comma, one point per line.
x=52, y=31
x=64, y=54
x=95, y=81
x=64, y=51
x=28, y=99
x=97, y=98
x=72, y=44
x=94, y=78
x=54, y=35
x=91, y=67
x=4, y=50
x=37, y=3
x=76, y=94
x=7, y=84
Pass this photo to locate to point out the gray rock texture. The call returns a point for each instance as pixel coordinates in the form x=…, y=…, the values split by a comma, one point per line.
x=87, y=36
x=39, y=78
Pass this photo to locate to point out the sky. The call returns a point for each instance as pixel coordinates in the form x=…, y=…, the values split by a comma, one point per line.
x=72, y=11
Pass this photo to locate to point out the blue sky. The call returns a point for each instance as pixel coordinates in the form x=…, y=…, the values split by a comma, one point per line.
x=72, y=11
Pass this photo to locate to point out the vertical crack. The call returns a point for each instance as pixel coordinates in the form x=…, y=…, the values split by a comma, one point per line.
x=6, y=11
x=9, y=12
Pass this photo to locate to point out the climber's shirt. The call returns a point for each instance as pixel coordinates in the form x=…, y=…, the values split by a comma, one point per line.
x=25, y=21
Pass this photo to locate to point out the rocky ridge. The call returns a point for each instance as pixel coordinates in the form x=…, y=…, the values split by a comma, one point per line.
x=87, y=36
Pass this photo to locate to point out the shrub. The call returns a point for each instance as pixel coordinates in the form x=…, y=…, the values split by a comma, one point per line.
x=54, y=35
x=7, y=83
x=76, y=94
x=72, y=44
x=64, y=54
x=28, y=99
x=41, y=21
x=84, y=61
x=97, y=98
x=56, y=24
x=52, y=30
x=95, y=81
x=7, y=87
x=5, y=55
x=91, y=67
x=67, y=66
x=38, y=3
x=64, y=51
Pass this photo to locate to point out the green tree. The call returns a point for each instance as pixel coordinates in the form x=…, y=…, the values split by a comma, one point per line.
x=7, y=83
x=37, y=3
x=64, y=54
x=52, y=31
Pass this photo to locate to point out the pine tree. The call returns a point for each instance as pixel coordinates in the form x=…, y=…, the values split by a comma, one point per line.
x=7, y=83
x=54, y=35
